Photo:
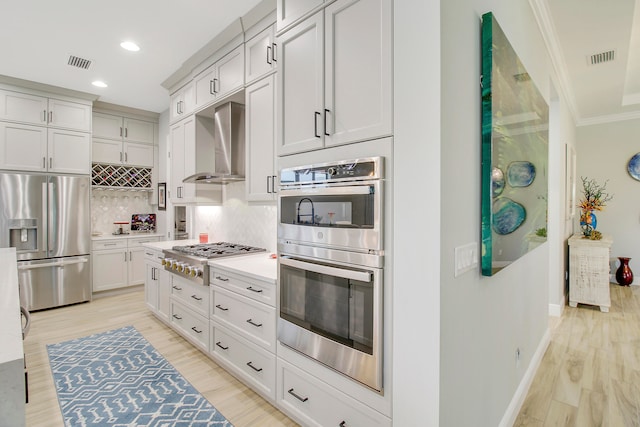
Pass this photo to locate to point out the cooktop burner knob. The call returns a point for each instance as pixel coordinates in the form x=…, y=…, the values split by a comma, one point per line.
x=174, y=264
x=163, y=261
x=196, y=272
x=187, y=269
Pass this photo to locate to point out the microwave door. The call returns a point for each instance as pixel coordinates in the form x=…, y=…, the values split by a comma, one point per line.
x=23, y=209
x=69, y=221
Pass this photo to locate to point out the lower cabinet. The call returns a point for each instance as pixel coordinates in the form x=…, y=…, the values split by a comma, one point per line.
x=191, y=325
x=117, y=263
x=315, y=403
x=157, y=284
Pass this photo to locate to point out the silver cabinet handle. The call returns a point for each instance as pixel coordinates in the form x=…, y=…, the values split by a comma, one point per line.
x=130, y=256
x=274, y=52
x=126, y=132
x=214, y=85
x=121, y=132
x=212, y=89
x=297, y=396
x=269, y=184
x=44, y=162
x=50, y=162
x=121, y=156
x=50, y=116
x=126, y=158
x=269, y=55
x=44, y=116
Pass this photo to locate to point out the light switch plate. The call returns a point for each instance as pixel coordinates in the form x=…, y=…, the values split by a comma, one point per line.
x=466, y=258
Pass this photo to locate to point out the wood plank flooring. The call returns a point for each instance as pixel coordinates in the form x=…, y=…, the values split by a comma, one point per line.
x=234, y=400
x=590, y=373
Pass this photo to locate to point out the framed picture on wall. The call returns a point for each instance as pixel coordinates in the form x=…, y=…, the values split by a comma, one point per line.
x=162, y=196
x=570, y=182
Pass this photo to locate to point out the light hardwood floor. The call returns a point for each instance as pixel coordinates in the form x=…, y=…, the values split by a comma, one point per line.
x=590, y=373
x=235, y=401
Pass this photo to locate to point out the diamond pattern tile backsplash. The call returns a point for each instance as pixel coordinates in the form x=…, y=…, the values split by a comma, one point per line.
x=108, y=206
x=237, y=221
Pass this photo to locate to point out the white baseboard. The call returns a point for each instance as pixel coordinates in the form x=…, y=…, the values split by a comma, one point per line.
x=513, y=409
x=556, y=310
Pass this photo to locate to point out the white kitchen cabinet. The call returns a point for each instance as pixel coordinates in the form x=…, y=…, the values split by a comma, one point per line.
x=220, y=79
x=289, y=12
x=261, y=55
x=119, y=262
x=334, y=83
x=182, y=102
x=260, y=110
x=315, y=403
x=41, y=149
x=151, y=287
x=40, y=110
x=190, y=325
x=122, y=140
x=109, y=151
x=109, y=126
x=157, y=285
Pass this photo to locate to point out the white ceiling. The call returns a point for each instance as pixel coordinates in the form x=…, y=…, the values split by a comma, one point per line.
x=38, y=36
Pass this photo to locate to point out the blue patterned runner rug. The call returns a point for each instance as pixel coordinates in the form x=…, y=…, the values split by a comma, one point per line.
x=117, y=378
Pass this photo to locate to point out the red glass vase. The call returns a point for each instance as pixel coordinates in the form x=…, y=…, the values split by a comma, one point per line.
x=624, y=275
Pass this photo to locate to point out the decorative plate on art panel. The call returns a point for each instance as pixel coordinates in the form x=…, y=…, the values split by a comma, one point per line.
x=507, y=215
x=497, y=182
x=521, y=174
x=634, y=167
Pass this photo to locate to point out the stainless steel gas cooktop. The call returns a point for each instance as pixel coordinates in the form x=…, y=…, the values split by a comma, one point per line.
x=215, y=250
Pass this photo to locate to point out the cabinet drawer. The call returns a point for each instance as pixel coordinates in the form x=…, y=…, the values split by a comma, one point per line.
x=153, y=255
x=98, y=245
x=138, y=241
x=258, y=290
x=319, y=404
x=252, y=320
x=253, y=364
x=190, y=324
x=194, y=296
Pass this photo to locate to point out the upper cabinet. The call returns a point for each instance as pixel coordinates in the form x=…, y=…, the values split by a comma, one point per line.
x=122, y=140
x=111, y=126
x=334, y=79
x=261, y=55
x=182, y=103
x=220, y=79
x=289, y=12
x=44, y=111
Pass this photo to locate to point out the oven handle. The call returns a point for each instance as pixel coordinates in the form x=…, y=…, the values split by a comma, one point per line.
x=361, y=276
x=329, y=191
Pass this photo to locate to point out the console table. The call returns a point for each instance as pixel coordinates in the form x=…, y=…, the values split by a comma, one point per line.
x=589, y=271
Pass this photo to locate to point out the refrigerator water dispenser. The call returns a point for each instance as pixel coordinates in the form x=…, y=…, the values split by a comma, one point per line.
x=23, y=234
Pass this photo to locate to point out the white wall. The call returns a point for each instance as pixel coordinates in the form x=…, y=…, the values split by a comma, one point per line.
x=484, y=320
x=603, y=152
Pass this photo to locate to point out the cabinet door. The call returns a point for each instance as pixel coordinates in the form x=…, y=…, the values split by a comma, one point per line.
x=204, y=83
x=69, y=115
x=260, y=55
x=175, y=106
x=106, y=151
x=177, y=161
x=136, y=154
x=109, y=269
x=136, y=266
x=23, y=147
x=21, y=107
x=69, y=151
x=357, y=71
x=182, y=102
x=138, y=131
x=260, y=137
x=230, y=72
x=107, y=126
x=300, y=87
x=164, y=293
x=151, y=286
x=290, y=11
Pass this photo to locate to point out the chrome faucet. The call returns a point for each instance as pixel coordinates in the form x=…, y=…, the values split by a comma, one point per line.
x=312, y=215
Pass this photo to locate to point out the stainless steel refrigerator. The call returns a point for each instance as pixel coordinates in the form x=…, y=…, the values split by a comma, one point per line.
x=47, y=219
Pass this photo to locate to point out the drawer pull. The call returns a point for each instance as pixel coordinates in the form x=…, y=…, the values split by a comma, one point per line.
x=221, y=346
x=221, y=307
x=300, y=398
x=253, y=367
x=177, y=288
x=224, y=279
x=175, y=316
x=254, y=290
x=196, y=297
x=194, y=329
x=257, y=325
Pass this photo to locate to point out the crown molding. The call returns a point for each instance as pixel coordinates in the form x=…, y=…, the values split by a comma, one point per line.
x=632, y=115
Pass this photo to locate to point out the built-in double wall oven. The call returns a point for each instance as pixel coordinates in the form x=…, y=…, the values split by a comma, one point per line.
x=330, y=245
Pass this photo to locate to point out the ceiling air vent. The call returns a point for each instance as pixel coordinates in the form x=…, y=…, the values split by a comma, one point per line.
x=76, y=61
x=601, y=57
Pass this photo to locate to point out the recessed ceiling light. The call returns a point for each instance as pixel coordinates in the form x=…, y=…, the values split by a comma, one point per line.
x=130, y=46
x=99, y=83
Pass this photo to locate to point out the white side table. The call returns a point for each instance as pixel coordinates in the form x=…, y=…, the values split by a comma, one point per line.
x=589, y=271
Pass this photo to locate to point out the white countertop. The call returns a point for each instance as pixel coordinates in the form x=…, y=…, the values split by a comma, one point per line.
x=10, y=318
x=259, y=266
x=132, y=235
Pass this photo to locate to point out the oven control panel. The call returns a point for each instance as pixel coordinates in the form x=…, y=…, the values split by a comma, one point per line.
x=346, y=170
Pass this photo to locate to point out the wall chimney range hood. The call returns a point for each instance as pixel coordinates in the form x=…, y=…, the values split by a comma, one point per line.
x=229, y=147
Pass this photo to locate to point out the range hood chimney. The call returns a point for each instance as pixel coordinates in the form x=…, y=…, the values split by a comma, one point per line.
x=229, y=147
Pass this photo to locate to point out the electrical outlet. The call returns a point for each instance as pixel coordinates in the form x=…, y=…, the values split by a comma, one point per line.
x=466, y=258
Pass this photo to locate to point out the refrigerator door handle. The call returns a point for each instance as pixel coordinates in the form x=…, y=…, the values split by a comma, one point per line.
x=44, y=218
x=53, y=264
x=49, y=217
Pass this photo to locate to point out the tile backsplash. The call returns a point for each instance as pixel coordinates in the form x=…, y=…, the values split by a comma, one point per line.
x=108, y=206
x=237, y=221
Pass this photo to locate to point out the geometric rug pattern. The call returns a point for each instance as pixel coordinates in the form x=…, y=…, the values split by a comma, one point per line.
x=116, y=378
